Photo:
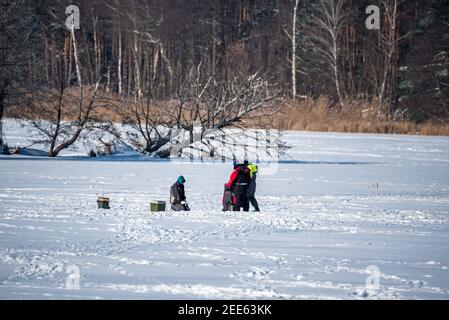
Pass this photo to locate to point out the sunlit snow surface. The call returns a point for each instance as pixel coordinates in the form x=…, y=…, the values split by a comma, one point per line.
x=323, y=223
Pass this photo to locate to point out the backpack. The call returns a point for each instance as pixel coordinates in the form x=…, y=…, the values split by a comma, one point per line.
x=227, y=200
x=243, y=175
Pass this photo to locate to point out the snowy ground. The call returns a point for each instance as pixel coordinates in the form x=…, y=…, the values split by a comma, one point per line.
x=323, y=223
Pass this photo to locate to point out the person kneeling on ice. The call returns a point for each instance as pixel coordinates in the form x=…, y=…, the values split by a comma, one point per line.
x=178, y=196
x=228, y=199
x=238, y=183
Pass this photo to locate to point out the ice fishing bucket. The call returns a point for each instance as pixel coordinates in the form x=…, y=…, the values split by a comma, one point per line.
x=103, y=203
x=157, y=206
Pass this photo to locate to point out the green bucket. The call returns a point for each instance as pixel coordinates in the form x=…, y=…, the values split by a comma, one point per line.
x=157, y=206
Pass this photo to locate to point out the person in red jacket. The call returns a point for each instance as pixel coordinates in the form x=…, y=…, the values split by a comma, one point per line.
x=238, y=183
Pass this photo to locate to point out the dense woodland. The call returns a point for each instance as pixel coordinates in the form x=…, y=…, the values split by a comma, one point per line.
x=230, y=59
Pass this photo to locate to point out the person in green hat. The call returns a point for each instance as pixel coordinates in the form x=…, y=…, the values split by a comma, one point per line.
x=178, y=196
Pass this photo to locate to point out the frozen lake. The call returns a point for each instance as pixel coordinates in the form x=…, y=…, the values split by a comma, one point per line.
x=343, y=203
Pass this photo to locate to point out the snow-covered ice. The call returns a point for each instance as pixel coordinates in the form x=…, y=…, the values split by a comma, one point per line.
x=340, y=204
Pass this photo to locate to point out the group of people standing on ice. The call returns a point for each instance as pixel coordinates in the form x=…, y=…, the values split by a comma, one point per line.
x=239, y=191
x=241, y=188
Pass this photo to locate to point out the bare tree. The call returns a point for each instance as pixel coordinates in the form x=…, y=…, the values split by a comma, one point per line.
x=119, y=63
x=213, y=105
x=151, y=120
x=293, y=37
x=61, y=114
x=389, y=41
x=216, y=103
x=329, y=20
x=58, y=122
x=292, y=33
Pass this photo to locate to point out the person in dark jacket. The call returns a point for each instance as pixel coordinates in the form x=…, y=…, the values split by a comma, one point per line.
x=252, y=186
x=238, y=183
x=178, y=196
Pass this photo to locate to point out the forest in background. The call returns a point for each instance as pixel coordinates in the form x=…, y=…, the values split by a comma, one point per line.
x=300, y=64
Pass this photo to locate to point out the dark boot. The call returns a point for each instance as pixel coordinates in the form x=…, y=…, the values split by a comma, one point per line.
x=254, y=203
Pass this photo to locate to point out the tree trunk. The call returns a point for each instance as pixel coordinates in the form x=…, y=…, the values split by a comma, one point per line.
x=68, y=55
x=53, y=152
x=191, y=133
x=119, y=66
x=336, y=74
x=391, y=42
x=2, y=109
x=75, y=54
x=137, y=84
x=108, y=81
x=96, y=46
x=295, y=9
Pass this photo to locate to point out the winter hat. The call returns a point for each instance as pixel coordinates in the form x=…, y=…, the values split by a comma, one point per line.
x=181, y=180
